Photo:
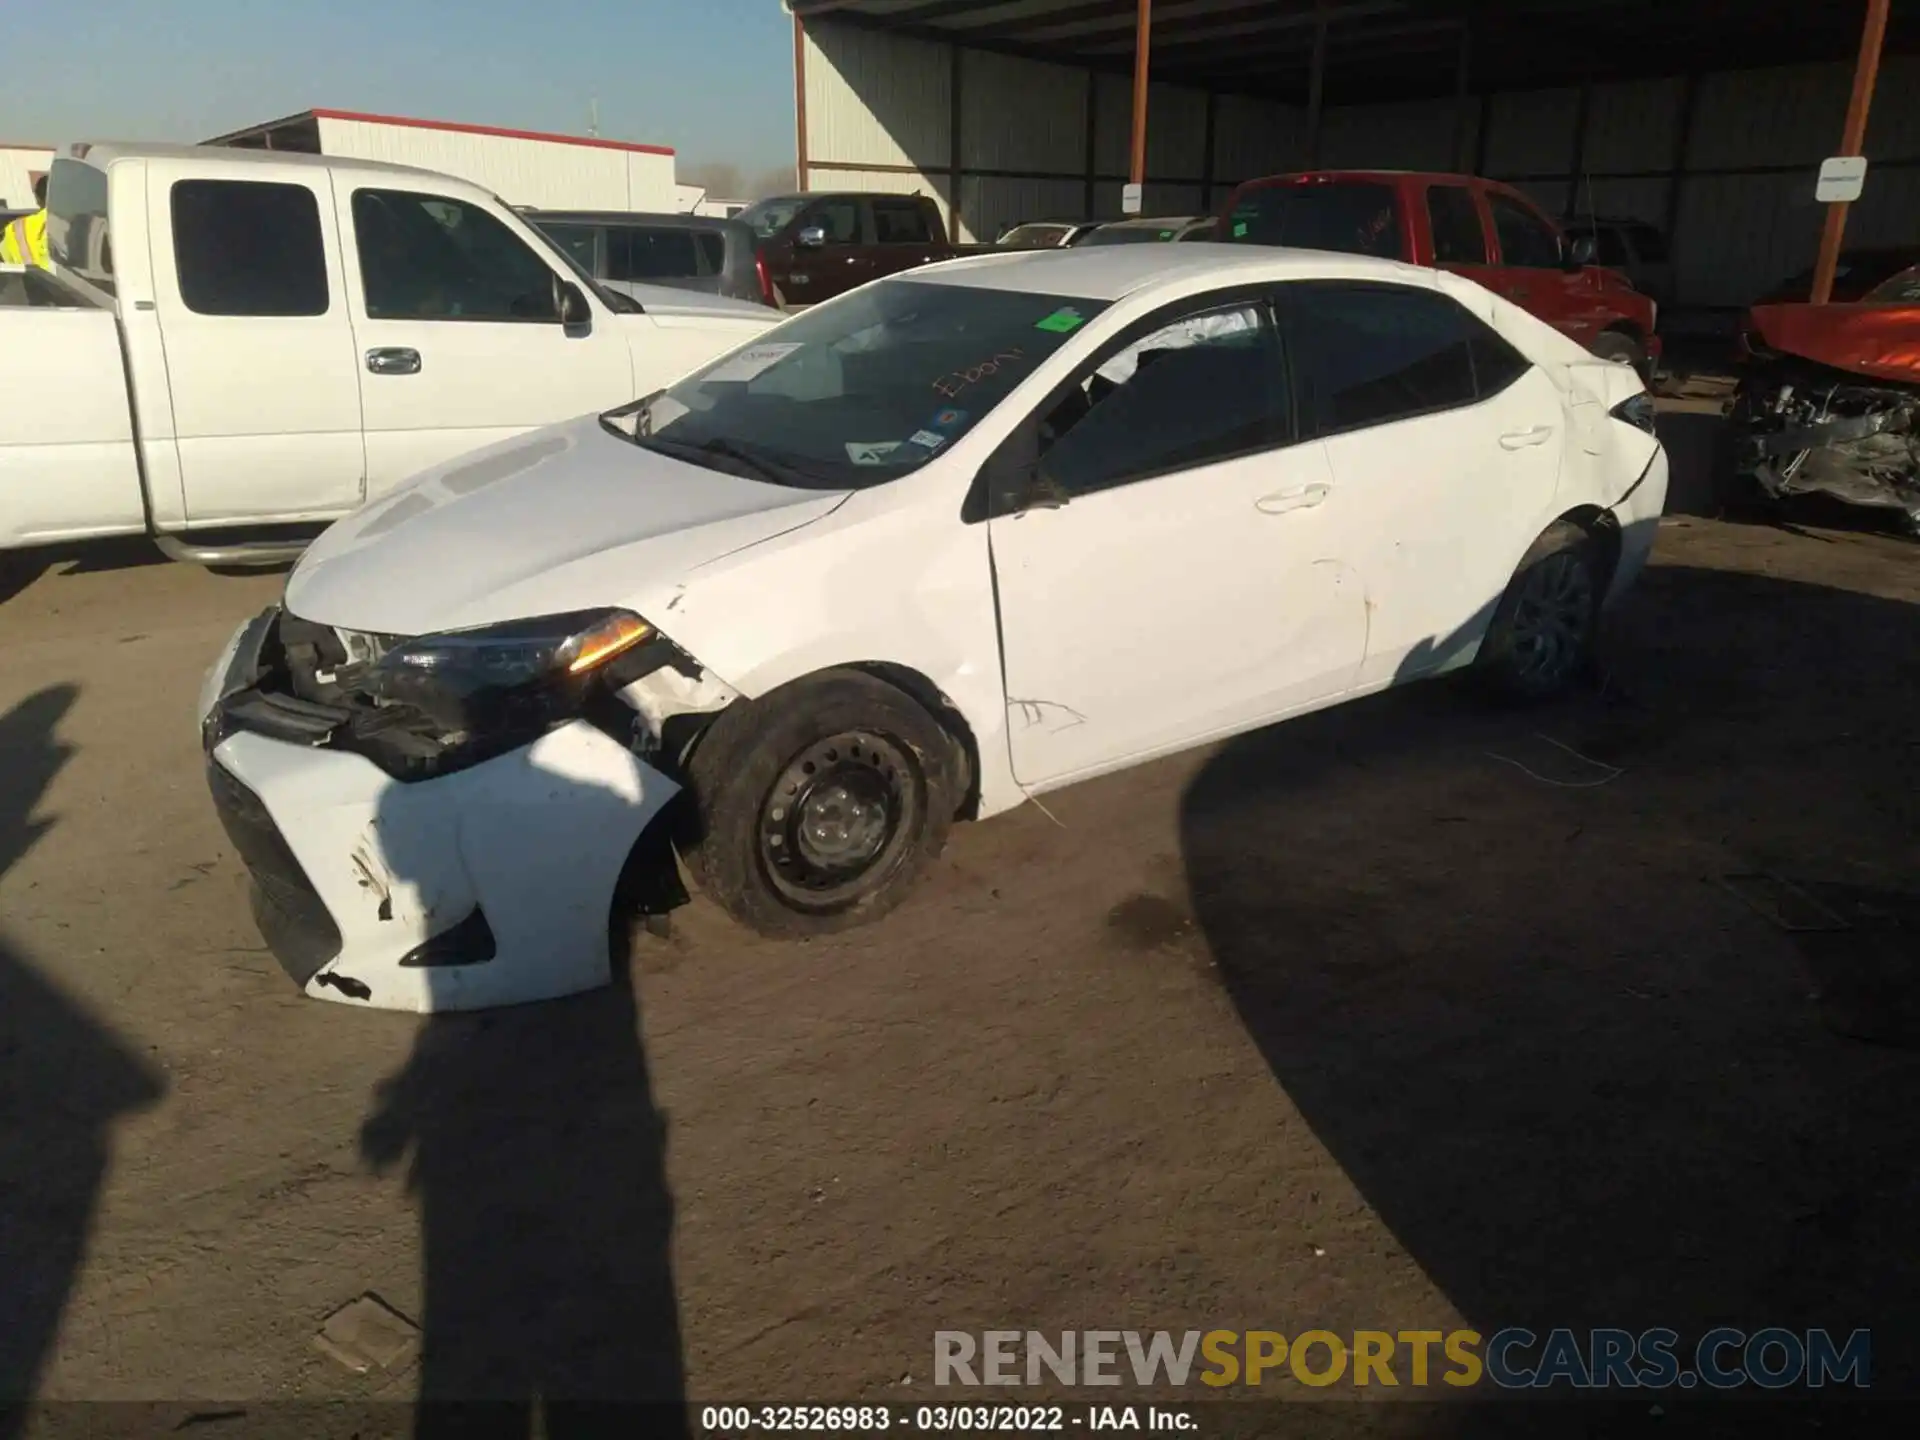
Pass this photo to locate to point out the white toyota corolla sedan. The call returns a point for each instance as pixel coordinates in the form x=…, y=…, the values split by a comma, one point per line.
x=949, y=541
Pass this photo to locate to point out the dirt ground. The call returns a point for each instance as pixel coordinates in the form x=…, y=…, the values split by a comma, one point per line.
x=1399, y=1016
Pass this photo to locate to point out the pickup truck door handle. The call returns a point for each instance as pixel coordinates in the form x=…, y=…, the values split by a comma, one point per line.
x=1282, y=501
x=1521, y=439
x=393, y=360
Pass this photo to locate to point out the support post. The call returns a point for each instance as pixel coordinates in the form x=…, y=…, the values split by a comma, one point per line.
x=1142, y=43
x=956, y=113
x=1093, y=140
x=1852, y=139
x=799, y=104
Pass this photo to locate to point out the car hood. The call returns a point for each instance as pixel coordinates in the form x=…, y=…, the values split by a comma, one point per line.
x=665, y=300
x=1878, y=340
x=566, y=518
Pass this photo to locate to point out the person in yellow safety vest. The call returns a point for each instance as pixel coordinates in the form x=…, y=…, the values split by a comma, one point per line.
x=25, y=241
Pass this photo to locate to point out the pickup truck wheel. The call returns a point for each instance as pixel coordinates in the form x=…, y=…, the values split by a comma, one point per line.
x=1541, y=636
x=1621, y=348
x=814, y=808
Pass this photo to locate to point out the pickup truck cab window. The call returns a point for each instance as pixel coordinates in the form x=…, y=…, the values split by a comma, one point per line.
x=1526, y=240
x=426, y=257
x=1454, y=220
x=1355, y=217
x=246, y=247
x=839, y=218
x=901, y=222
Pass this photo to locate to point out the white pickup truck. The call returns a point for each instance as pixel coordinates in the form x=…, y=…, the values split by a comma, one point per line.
x=235, y=344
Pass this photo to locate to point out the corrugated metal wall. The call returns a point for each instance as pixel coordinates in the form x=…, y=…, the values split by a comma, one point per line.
x=1727, y=160
x=546, y=173
x=17, y=166
x=880, y=109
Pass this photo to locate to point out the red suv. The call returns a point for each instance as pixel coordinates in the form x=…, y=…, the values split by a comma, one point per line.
x=1482, y=229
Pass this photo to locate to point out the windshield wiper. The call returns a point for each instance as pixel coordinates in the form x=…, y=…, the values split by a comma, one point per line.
x=757, y=462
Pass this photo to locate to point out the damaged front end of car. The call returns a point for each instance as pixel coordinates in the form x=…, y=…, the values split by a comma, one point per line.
x=1837, y=415
x=442, y=821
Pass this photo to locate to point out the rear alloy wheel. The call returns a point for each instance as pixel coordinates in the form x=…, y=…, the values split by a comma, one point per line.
x=815, y=807
x=1541, y=636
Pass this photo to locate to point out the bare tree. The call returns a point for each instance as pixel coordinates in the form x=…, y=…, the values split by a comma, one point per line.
x=778, y=181
x=718, y=178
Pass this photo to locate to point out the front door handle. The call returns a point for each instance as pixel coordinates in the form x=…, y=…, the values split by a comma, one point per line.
x=393, y=360
x=1282, y=501
x=1521, y=439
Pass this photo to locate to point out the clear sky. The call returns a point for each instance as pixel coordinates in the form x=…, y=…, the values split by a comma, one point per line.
x=712, y=78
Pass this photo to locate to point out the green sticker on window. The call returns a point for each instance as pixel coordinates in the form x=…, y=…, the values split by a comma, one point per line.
x=1166, y=234
x=1240, y=228
x=1062, y=320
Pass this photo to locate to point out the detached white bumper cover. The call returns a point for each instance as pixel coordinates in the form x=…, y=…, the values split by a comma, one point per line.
x=489, y=886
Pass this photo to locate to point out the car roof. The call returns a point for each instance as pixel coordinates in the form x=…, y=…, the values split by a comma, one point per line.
x=1149, y=222
x=634, y=217
x=106, y=152
x=1110, y=272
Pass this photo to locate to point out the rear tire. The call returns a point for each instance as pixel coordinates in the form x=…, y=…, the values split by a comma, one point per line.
x=815, y=808
x=1540, y=640
x=1622, y=349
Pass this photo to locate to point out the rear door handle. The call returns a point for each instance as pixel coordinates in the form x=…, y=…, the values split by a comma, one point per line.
x=393, y=360
x=1521, y=439
x=1282, y=501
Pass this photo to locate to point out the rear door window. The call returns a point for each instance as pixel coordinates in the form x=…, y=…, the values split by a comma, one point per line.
x=247, y=248
x=1458, y=236
x=1354, y=217
x=901, y=222
x=644, y=253
x=1526, y=240
x=1371, y=354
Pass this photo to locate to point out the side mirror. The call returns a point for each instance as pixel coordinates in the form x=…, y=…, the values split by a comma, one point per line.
x=575, y=313
x=811, y=238
x=1581, y=252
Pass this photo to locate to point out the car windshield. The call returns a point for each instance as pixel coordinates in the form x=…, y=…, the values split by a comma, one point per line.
x=1134, y=234
x=861, y=390
x=1354, y=217
x=1902, y=289
x=1033, y=237
x=769, y=216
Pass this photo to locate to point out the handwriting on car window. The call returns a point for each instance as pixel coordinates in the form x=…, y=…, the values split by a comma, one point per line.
x=954, y=381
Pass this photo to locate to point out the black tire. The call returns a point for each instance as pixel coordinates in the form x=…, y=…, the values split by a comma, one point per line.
x=1540, y=640
x=816, y=807
x=1622, y=348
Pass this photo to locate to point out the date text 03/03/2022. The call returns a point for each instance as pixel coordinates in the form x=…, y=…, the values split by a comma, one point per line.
x=742, y=1420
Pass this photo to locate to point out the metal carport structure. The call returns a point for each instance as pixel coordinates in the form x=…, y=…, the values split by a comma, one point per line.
x=1706, y=117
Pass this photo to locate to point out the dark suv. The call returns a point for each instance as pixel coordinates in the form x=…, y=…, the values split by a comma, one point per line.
x=822, y=244
x=687, y=252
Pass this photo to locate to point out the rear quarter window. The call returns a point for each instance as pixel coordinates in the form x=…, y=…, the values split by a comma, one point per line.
x=1352, y=217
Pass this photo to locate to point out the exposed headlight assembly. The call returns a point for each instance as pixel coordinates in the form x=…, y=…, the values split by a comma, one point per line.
x=502, y=684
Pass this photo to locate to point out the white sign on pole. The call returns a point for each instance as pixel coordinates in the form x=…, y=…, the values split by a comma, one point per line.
x=1841, y=179
x=1129, y=199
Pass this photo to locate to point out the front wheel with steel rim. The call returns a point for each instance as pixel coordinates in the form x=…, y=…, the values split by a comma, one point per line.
x=1541, y=637
x=816, y=806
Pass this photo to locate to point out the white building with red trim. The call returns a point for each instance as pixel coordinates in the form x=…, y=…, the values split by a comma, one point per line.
x=523, y=167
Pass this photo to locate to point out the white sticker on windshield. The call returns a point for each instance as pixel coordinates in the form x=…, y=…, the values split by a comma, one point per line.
x=930, y=439
x=871, y=452
x=749, y=362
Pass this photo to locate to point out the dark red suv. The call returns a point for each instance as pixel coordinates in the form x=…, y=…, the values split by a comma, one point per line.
x=1482, y=229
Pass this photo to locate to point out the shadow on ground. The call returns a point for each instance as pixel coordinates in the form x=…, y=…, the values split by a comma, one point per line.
x=1582, y=1081
x=538, y=1159
x=64, y=1080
